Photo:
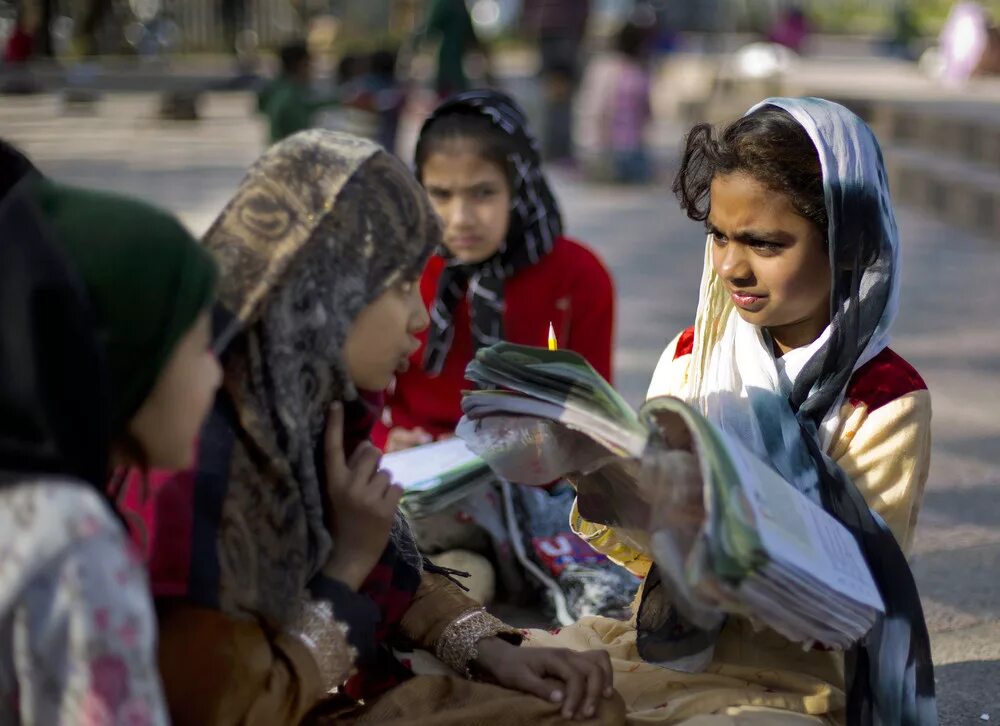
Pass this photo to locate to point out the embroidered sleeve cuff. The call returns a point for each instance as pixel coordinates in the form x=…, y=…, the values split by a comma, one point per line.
x=356, y=611
x=326, y=639
x=456, y=647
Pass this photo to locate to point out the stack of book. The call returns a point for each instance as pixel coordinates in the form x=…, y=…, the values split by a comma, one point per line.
x=728, y=534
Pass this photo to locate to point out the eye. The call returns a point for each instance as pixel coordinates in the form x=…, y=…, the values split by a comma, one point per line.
x=717, y=238
x=767, y=248
x=484, y=193
x=438, y=195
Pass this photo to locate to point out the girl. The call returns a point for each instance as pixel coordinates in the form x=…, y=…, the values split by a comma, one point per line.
x=505, y=269
x=789, y=352
x=104, y=360
x=270, y=561
x=617, y=107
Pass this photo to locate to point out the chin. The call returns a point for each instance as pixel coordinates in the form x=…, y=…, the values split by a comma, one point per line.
x=179, y=461
x=758, y=318
x=472, y=257
x=375, y=384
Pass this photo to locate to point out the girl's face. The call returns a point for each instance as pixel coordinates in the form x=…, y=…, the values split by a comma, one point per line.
x=472, y=197
x=382, y=337
x=169, y=420
x=773, y=261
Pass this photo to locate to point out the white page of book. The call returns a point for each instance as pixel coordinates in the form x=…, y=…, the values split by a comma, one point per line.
x=797, y=531
x=423, y=467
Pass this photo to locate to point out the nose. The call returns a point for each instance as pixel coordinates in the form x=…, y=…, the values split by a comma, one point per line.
x=732, y=264
x=461, y=211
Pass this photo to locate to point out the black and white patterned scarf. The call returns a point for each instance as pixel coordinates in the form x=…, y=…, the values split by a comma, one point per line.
x=535, y=224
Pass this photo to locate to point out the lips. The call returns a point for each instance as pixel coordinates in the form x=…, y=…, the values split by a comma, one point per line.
x=748, y=301
x=463, y=242
x=404, y=360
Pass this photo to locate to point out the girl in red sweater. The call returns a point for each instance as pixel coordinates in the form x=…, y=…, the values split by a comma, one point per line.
x=505, y=270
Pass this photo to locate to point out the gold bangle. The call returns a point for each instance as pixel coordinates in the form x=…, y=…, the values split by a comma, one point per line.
x=456, y=647
x=326, y=638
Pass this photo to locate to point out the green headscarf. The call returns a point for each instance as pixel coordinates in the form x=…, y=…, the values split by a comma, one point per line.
x=146, y=276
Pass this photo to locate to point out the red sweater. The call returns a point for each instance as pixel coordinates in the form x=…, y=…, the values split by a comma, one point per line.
x=570, y=287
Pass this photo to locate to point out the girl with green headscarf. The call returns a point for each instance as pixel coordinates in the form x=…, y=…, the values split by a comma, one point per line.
x=104, y=361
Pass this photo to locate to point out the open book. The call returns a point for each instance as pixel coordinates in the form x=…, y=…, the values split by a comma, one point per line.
x=727, y=532
x=434, y=475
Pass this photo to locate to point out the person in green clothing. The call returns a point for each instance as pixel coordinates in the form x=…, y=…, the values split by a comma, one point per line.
x=450, y=21
x=288, y=101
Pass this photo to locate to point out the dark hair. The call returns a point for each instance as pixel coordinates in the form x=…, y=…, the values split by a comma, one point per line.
x=488, y=141
x=631, y=41
x=293, y=55
x=768, y=145
x=350, y=67
x=14, y=166
x=383, y=63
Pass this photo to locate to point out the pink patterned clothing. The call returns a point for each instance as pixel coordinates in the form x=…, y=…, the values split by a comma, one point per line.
x=630, y=107
x=77, y=626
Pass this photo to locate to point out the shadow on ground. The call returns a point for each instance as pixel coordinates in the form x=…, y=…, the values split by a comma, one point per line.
x=968, y=690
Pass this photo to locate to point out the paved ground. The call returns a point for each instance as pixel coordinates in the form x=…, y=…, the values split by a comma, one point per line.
x=947, y=328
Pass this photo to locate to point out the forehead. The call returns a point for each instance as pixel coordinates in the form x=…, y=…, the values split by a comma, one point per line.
x=457, y=164
x=739, y=201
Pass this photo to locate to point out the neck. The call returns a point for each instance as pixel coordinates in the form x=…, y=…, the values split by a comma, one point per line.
x=796, y=335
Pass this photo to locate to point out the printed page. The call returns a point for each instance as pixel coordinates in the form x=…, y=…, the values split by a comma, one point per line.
x=424, y=467
x=800, y=533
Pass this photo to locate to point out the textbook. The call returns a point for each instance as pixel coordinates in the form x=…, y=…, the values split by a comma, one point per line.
x=728, y=534
x=433, y=475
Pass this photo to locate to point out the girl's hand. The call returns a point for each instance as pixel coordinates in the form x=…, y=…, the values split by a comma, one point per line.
x=576, y=680
x=361, y=505
x=400, y=439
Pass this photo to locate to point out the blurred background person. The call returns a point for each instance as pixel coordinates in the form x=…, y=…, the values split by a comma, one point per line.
x=559, y=26
x=790, y=29
x=451, y=24
x=628, y=109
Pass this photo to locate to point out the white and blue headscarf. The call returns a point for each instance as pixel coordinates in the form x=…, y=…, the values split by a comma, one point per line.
x=786, y=409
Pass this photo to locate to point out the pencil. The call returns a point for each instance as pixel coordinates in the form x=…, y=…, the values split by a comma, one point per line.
x=553, y=343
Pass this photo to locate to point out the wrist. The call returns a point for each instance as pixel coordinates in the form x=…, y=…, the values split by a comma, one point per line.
x=344, y=568
x=490, y=648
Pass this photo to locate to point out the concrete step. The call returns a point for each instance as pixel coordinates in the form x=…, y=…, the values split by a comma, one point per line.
x=968, y=133
x=962, y=193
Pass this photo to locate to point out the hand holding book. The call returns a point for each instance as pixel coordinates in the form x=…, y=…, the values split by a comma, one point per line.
x=727, y=532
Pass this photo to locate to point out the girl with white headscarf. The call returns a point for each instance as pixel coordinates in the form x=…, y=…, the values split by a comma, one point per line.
x=789, y=353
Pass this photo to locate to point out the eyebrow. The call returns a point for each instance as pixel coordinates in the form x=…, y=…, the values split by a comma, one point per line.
x=484, y=184
x=754, y=236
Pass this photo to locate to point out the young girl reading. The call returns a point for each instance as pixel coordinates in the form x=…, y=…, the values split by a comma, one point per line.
x=504, y=271
x=789, y=353
x=104, y=361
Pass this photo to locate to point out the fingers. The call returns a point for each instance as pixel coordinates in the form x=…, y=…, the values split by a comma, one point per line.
x=364, y=464
x=545, y=688
x=594, y=687
x=400, y=439
x=586, y=677
x=393, y=495
x=604, y=663
x=557, y=664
